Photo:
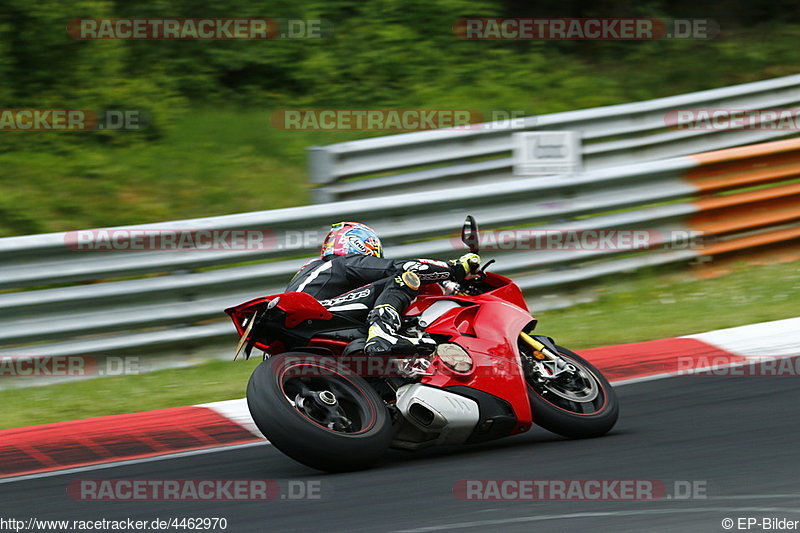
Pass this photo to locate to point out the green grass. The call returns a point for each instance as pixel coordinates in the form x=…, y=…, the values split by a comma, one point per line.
x=647, y=306
x=633, y=308
x=212, y=162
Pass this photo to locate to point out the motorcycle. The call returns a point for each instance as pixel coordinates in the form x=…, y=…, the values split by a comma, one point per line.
x=319, y=400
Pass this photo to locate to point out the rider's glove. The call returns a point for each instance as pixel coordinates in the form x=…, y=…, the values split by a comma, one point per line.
x=466, y=267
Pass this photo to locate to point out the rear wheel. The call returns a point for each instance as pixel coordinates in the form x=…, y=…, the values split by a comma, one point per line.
x=319, y=412
x=576, y=403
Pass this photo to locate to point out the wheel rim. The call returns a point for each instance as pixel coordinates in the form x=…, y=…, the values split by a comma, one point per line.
x=327, y=398
x=579, y=392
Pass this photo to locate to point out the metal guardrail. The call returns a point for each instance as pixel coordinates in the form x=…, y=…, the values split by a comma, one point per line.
x=613, y=135
x=173, y=309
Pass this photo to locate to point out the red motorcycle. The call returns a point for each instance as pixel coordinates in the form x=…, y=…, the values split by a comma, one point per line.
x=319, y=400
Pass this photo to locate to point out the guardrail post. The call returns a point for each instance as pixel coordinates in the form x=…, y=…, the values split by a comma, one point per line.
x=322, y=195
x=320, y=164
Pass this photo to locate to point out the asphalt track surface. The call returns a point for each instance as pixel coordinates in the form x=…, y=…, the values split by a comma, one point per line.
x=737, y=435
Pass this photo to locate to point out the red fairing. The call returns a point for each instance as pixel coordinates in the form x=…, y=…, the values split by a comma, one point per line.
x=505, y=289
x=298, y=306
x=489, y=332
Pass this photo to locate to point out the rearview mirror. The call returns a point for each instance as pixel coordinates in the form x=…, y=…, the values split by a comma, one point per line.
x=469, y=234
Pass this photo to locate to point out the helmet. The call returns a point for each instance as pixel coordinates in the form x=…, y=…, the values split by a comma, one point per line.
x=351, y=238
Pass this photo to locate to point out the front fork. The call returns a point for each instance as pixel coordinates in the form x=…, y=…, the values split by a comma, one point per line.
x=548, y=363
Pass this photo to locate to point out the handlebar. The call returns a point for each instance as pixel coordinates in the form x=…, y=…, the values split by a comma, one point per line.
x=453, y=287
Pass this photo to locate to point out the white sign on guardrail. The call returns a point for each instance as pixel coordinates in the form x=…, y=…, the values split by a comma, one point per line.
x=538, y=153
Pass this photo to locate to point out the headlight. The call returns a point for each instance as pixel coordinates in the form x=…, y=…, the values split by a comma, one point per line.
x=455, y=357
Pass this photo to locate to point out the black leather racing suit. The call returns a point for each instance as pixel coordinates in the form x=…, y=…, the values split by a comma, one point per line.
x=353, y=284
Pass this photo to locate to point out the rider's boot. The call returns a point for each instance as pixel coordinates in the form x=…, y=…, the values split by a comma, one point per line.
x=384, y=339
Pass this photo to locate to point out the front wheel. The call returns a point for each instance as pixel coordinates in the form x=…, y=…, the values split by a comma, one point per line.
x=576, y=404
x=319, y=412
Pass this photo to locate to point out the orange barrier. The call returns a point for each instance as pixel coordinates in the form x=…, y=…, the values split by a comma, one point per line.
x=747, y=195
x=748, y=152
x=752, y=241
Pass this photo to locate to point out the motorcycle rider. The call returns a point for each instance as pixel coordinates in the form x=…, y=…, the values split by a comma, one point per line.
x=351, y=277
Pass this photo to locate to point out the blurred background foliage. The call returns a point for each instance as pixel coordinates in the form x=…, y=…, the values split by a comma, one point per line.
x=211, y=150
